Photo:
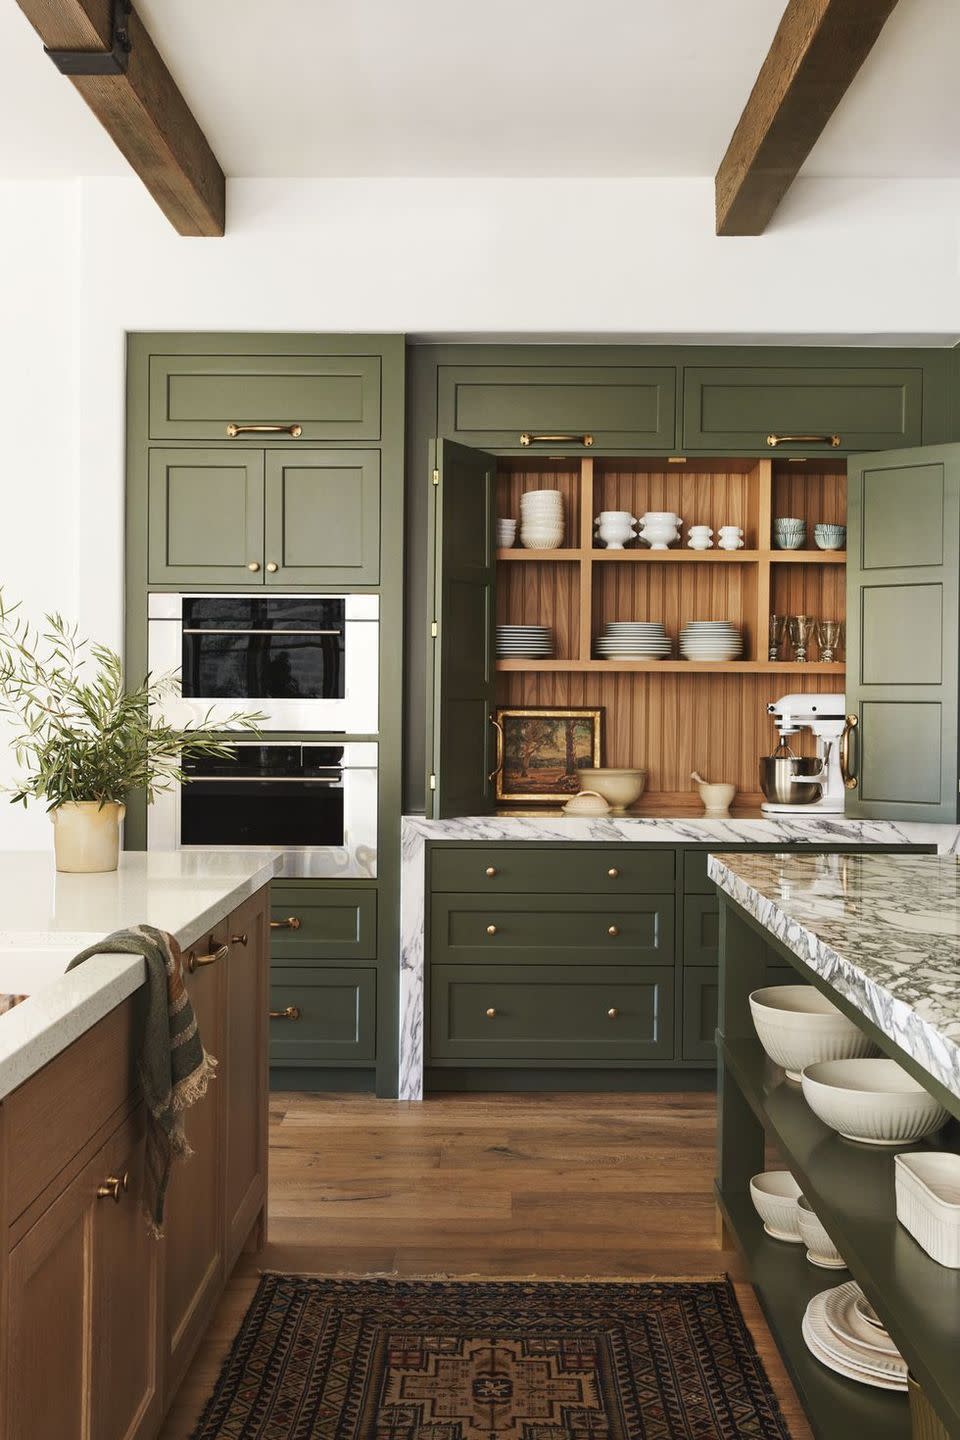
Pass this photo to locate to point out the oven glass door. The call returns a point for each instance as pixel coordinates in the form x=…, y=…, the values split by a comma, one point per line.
x=251, y=648
x=266, y=795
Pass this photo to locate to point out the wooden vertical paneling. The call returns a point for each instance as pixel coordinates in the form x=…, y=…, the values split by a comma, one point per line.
x=516, y=476
x=811, y=491
x=677, y=594
x=543, y=593
x=700, y=492
x=586, y=565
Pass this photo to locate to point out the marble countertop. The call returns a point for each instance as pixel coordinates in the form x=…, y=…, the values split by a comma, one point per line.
x=883, y=930
x=46, y=918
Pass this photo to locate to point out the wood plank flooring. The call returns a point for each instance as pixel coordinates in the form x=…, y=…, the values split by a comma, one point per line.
x=493, y=1186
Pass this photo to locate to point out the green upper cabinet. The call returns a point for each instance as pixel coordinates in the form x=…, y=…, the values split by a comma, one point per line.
x=741, y=409
x=249, y=397
x=205, y=522
x=903, y=632
x=630, y=407
x=464, y=667
x=322, y=519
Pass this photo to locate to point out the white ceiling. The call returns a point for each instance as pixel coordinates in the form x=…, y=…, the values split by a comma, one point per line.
x=499, y=88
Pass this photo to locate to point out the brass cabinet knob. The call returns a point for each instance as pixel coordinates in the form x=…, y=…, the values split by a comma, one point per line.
x=272, y=566
x=490, y=871
x=195, y=961
x=240, y=939
x=613, y=1012
x=114, y=1187
x=613, y=929
x=614, y=873
x=254, y=565
x=290, y=1012
x=491, y=1013
x=292, y=922
x=491, y=929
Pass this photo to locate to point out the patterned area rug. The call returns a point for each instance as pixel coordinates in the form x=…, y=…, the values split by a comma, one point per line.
x=422, y=1360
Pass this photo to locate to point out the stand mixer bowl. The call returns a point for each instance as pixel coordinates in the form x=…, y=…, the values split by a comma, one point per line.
x=791, y=780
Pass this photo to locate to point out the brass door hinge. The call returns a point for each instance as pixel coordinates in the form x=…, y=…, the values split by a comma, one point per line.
x=436, y=477
x=434, y=630
x=433, y=782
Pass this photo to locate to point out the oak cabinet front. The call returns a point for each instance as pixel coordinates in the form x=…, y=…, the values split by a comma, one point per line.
x=245, y=1075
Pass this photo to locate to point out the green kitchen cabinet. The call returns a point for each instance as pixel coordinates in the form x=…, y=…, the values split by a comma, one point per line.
x=701, y=993
x=322, y=517
x=322, y=1016
x=205, y=521
x=734, y=408
x=312, y=925
x=248, y=398
x=464, y=664
x=701, y=929
x=903, y=633
x=507, y=407
x=552, y=929
x=492, y=870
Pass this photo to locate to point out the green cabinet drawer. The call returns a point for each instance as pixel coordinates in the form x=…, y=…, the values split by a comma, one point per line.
x=521, y=1013
x=322, y=1016
x=322, y=517
x=701, y=997
x=552, y=929
x=330, y=397
x=737, y=408
x=565, y=869
x=629, y=406
x=701, y=929
x=330, y=925
x=205, y=517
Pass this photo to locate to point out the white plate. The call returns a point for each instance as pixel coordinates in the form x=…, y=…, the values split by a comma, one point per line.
x=866, y=1312
x=844, y=1319
x=848, y=1350
x=850, y=1372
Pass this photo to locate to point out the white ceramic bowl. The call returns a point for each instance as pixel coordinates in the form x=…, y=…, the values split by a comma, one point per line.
x=775, y=1194
x=619, y=788
x=874, y=1101
x=798, y=1026
x=820, y=1248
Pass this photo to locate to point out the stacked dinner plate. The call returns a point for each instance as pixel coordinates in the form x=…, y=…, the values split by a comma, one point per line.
x=527, y=642
x=634, y=640
x=710, y=640
x=843, y=1332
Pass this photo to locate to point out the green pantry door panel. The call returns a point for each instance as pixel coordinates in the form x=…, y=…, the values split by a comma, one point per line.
x=205, y=521
x=323, y=516
x=903, y=642
x=464, y=669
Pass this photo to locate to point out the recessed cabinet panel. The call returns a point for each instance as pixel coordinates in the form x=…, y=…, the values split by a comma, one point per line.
x=329, y=925
x=701, y=993
x=493, y=405
x=901, y=748
x=903, y=517
x=323, y=517
x=902, y=632
x=331, y=397
x=323, y=1016
x=205, y=517
x=701, y=929
x=466, y=623
x=553, y=929
x=497, y=869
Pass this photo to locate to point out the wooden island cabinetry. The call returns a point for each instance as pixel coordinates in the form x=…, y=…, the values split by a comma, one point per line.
x=99, y=1319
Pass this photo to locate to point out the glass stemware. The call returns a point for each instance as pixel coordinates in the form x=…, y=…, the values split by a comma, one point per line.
x=829, y=635
x=778, y=627
x=800, y=628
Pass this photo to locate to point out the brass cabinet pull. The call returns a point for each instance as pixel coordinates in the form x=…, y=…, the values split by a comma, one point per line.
x=850, y=781
x=272, y=567
x=491, y=929
x=195, y=961
x=530, y=438
x=239, y=939
x=114, y=1187
x=775, y=440
x=491, y=1013
x=290, y=1012
x=254, y=566
x=233, y=430
x=613, y=929
x=292, y=922
x=499, y=765
x=490, y=871
x=614, y=873
x=613, y=1012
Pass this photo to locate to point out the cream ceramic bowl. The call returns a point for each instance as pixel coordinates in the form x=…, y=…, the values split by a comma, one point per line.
x=820, y=1248
x=874, y=1101
x=798, y=1026
x=775, y=1194
x=620, y=788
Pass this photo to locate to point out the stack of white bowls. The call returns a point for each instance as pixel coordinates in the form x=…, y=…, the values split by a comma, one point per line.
x=541, y=519
x=634, y=640
x=506, y=534
x=710, y=640
x=528, y=642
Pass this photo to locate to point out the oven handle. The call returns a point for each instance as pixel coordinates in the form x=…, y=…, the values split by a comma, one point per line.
x=267, y=779
x=229, y=630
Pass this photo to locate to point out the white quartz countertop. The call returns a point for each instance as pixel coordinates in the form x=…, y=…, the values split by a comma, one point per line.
x=882, y=930
x=47, y=918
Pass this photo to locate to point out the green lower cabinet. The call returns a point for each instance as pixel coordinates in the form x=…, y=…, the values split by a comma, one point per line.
x=552, y=929
x=701, y=994
x=309, y=924
x=584, y=869
x=701, y=929
x=322, y=1016
x=526, y=1015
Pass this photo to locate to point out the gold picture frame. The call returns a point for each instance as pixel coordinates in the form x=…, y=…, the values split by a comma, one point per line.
x=539, y=749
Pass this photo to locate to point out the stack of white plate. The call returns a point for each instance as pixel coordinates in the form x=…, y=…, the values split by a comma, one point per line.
x=710, y=640
x=634, y=640
x=840, y=1335
x=541, y=519
x=528, y=642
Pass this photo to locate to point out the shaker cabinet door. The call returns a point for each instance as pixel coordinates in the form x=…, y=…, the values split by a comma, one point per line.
x=205, y=524
x=322, y=517
x=243, y=1071
x=903, y=637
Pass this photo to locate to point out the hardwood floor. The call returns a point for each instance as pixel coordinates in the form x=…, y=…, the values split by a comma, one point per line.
x=498, y=1186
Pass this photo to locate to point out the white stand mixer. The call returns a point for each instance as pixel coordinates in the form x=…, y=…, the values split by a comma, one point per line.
x=783, y=774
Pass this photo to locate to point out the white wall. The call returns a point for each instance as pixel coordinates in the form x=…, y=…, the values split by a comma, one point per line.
x=87, y=261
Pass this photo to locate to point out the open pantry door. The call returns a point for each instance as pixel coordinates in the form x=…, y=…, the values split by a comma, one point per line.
x=903, y=633
x=463, y=749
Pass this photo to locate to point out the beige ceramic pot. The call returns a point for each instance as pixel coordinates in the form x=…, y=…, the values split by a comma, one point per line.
x=620, y=788
x=86, y=836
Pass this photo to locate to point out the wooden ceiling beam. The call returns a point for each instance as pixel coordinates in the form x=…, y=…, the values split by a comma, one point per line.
x=142, y=110
x=817, y=50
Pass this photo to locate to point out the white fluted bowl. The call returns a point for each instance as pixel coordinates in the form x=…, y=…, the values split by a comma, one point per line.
x=775, y=1194
x=873, y=1101
x=820, y=1248
x=798, y=1026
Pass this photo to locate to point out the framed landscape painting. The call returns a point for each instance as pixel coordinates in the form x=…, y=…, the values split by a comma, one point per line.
x=542, y=749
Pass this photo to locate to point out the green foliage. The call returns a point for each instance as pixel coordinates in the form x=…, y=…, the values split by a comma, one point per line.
x=78, y=732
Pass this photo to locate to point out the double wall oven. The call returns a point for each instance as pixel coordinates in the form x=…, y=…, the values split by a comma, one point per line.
x=308, y=664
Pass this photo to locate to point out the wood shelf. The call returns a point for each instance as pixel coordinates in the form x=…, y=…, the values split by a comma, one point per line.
x=519, y=553
x=683, y=557
x=807, y=557
x=674, y=667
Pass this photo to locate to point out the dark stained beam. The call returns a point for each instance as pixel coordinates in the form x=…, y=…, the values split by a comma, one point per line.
x=817, y=50
x=142, y=110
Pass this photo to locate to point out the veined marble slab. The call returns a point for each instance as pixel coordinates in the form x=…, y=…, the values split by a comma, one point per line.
x=883, y=930
x=678, y=829
x=47, y=918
